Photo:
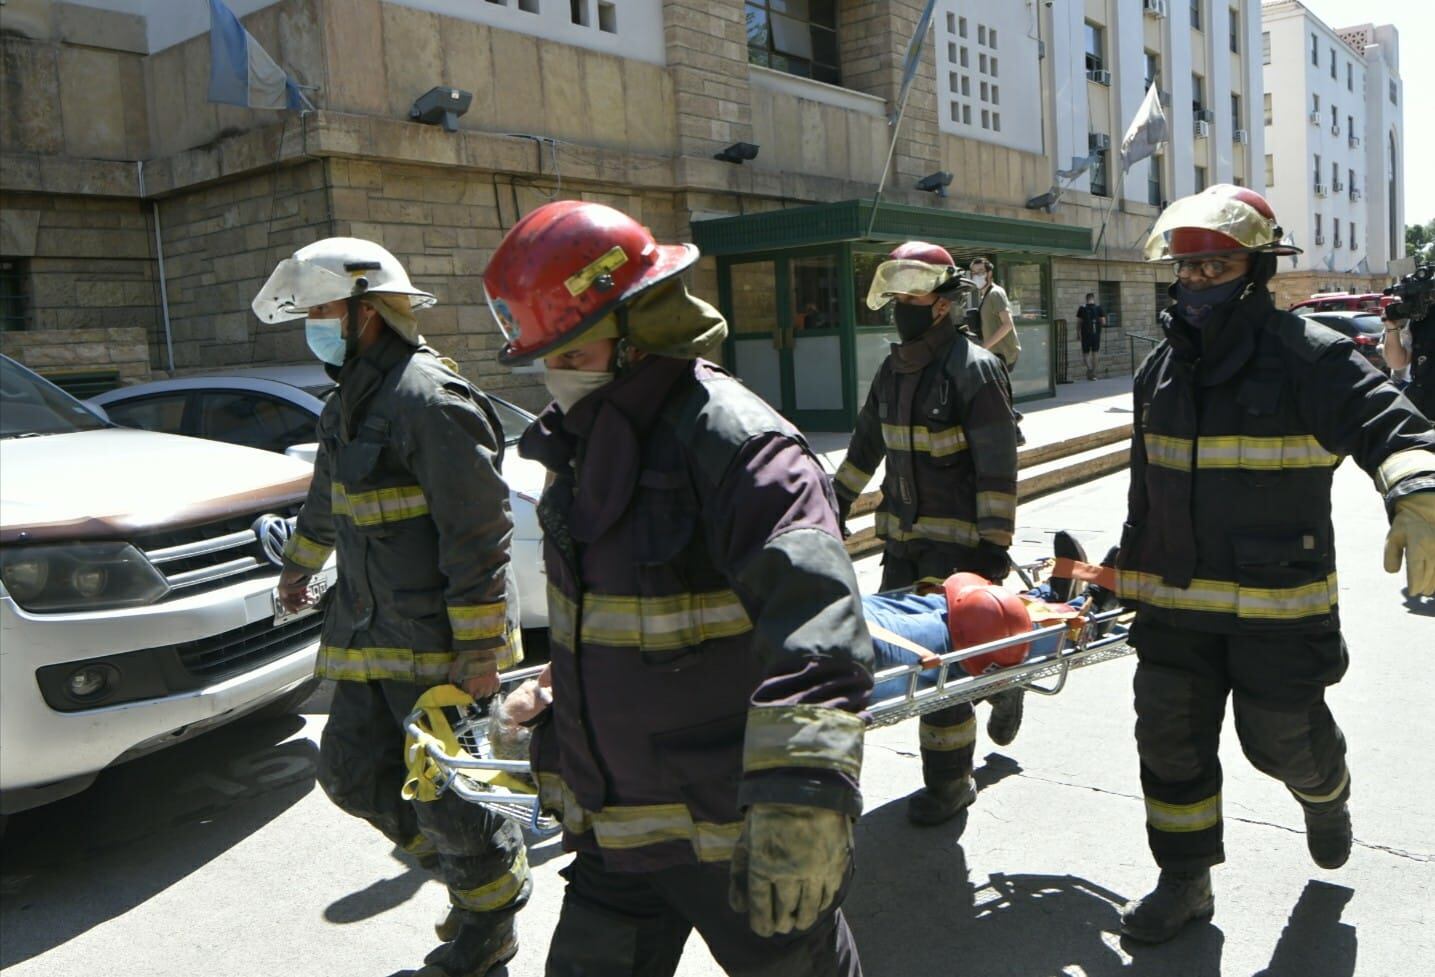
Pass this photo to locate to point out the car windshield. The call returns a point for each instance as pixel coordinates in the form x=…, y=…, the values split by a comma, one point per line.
x=320, y=390
x=30, y=406
x=514, y=420
x=1367, y=324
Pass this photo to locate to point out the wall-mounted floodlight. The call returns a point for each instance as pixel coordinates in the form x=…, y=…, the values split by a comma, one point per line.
x=935, y=182
x=737, y=153
x=441, y=106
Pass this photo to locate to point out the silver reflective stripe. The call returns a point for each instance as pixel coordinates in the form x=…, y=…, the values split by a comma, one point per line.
x=1325, y=798
x=626, y=827
x=1224, y=597
x=1181, y=818
x=944, y=739
x=662, y=623
x=938, y=442
x=1174, y=453
x=781, y=737
x=936, y=528
x=1263, y=454
x=852, y=478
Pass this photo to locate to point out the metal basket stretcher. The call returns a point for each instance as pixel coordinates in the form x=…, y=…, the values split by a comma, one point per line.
x=899, y=693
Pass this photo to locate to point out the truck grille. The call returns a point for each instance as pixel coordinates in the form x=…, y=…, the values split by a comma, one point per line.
x=211, y=555
x=248, y=647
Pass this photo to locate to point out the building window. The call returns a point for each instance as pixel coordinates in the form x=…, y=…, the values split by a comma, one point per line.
x=994, y=66
x=996, y=94
x=1155, y=194
x=963, y=58
x=1350, y=126
x=797, y=39
x=981, y=33
x=1352, y=236
x=992, y=38
x=1196, y=14
x=1319, y=232
x=1317, y=169
x=1200, y=178
x=1335, y=230
x=966, y=86
x=986, y=119
x=14, y=294
x=1333, y=73
x=1315, y=50
x=1153, y=69
x=1235, y=30
x=996, y=122
x=982, y=62
x=1334, y=175
x=966, y=115
x=1315, y=101
x=962, y=27
x=1099, y=182
x=1335, y=119
x=1108, y=294
x=1266, y=107
x=1349, y=77
x=1095, y=47
x=1198, y=94
x=1270, y=170
x=1350, y=180
x=1265, y=47
x=1392, y=92
x=951, y=23
x=1236, y=122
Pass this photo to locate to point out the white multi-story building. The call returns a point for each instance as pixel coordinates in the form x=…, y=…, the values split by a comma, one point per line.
x=1333, y=111
x=1096, y=59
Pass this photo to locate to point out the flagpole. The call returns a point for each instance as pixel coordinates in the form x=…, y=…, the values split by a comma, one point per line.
x=909, y=71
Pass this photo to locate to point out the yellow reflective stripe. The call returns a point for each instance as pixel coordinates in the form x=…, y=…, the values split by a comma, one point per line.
x=936, y=528
x=562, y=618
x=944, y=739
x=852, y=478
x=1263, y=454
x=1403, y=464
x=803, y=736
x=1168, y=452
x=996, y=505
x=662, y=623
x=379, y=506
x=474, y=622
x=1224, y=597
x=1325, y=798
x=498, y=893
x=938, y=442
x=630, y=826
x=307, y=553
x=1179, y=818
x=382, y=664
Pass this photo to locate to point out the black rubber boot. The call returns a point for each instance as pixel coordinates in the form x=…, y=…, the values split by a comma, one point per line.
x=479, y=947
x=938, y=803
x=1179, y=898
x=1005, y=720
x=1064, y=544
x=446, y=927
x=1328, y=836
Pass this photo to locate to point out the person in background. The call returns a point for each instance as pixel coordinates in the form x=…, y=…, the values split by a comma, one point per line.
x=1091, y=319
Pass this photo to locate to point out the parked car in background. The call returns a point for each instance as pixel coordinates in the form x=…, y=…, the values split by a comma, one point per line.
x=1339, y=302
x=276, y=408
x=1366, y=329
x=136, y=589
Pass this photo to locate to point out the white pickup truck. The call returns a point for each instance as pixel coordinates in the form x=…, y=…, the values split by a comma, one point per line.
x=136, y=580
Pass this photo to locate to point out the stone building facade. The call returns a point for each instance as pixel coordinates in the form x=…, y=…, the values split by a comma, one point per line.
x=113, y=160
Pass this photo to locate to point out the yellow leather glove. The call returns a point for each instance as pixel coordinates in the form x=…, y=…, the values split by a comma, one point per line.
x=788, y=866
x=1412, y=532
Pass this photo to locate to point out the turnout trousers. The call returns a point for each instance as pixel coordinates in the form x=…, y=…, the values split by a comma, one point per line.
x=947, y=737
x=480, y=854
x=620, y=924
x=1276, y=682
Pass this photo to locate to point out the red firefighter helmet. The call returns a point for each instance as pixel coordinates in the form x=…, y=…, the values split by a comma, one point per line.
x=987, y=613
x=1218, y=220
x=565, y=266
x=914, y=268
x=962, y=581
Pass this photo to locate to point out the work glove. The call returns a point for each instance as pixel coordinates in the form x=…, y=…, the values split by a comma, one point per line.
x=1412, y=532
x=788, y=866
x=844, y=509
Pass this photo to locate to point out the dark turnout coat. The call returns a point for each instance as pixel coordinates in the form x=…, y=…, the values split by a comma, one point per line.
x=407, y=489
x=708, y=647
x=1239, y=428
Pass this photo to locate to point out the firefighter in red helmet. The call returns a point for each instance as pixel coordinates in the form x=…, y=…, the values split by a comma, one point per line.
x=939, y=414
x=709, y=656
x=1242, y=415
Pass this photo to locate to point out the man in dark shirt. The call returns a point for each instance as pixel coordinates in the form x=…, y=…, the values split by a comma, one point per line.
x=1091, y=317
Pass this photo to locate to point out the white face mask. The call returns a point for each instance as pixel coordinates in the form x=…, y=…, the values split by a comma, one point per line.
x=568, y=387
x=979, y=280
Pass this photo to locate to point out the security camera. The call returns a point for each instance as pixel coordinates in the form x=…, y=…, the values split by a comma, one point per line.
x=441, y=105
x=935, y=182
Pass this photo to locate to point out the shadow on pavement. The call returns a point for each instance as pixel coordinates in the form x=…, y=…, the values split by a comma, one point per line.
x=1003, y=926
x=1314, y=940
x=1415, y=604
x=142, y=826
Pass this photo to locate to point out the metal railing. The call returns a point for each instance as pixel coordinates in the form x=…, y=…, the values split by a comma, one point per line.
x=1131, y=338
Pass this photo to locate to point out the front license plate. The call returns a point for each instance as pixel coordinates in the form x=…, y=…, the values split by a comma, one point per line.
x=318, y=584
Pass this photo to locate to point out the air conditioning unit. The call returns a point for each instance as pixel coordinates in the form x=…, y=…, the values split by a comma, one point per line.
x=1206, y=115
x=1354, y=194
x=1315, y=118
x=1098, y=140
x=1320, y=239
x=1320, y=189
x=1354, y=142
x=1338, y=186
x=1335, y=129
x=1241, y=136
x=1099, y=75
x=1153, y=8
x=1203, y=129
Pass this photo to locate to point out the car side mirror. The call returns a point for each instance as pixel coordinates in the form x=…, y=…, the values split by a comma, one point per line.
x=97, y=410
x=303, y=452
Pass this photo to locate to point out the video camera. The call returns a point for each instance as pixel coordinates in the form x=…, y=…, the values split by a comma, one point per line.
x=1411, y=297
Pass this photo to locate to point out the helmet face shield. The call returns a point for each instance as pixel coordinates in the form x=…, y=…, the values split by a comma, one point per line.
x=902, y=276
x=1228, y=216
x=295, y=287
x=507, y=324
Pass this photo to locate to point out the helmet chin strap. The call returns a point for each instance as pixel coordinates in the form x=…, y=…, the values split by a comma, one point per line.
x=351, y=335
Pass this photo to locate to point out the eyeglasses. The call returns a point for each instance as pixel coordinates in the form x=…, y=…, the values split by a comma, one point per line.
x=1206, y=267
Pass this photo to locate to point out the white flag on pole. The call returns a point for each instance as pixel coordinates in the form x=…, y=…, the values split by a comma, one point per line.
x=1147, y=132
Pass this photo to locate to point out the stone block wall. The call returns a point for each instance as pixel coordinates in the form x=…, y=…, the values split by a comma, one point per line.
x=1072, y=278
x=56, y=352
x=707, y=62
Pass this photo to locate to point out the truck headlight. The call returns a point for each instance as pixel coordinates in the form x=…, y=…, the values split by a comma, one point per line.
x=80, y=576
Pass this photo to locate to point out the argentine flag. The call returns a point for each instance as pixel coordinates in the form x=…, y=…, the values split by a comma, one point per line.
x=241, y=72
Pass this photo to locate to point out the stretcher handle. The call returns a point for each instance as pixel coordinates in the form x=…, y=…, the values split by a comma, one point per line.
x=1091, y=573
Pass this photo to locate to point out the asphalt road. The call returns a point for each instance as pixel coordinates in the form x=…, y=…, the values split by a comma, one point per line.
x=221, y=858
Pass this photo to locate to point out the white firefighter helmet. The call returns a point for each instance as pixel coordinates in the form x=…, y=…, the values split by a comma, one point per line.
x=340, y=268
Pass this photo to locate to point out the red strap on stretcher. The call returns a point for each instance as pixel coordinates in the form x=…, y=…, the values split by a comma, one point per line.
x=929, y=659
x=1089, y=572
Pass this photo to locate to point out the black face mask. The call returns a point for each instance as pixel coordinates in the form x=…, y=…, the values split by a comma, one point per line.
x=912, y=320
